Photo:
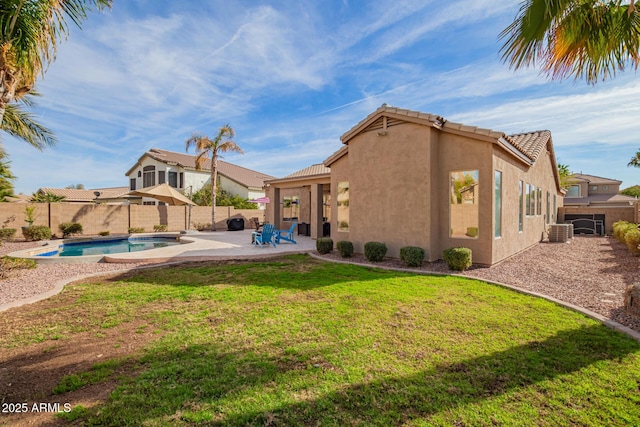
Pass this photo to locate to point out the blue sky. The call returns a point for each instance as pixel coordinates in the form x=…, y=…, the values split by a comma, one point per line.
x=291, y=77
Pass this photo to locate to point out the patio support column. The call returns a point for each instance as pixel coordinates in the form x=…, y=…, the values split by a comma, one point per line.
x=275, y=203
x=316, y=211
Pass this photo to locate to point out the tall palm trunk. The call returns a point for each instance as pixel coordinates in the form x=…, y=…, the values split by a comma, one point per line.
x=214, y=190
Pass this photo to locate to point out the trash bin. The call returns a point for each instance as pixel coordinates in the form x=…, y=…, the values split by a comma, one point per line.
x=326, y=229
x=235, y=224
x=304, y=229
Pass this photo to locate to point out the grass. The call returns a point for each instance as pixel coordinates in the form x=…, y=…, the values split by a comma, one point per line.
x=300, y=342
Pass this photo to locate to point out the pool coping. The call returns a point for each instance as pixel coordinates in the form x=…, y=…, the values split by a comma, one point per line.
x=36, y=254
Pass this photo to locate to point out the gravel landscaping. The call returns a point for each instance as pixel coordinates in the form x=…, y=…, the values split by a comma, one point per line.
x=591, y=272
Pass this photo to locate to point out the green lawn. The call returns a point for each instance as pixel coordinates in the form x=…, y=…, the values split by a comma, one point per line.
x=300, y=342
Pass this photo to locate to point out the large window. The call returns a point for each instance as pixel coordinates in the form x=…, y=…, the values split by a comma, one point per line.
x=527, y=200
x=173, y=179
x=132, y=184
x=149, y=176
x=539, y=200
x=520, y=208
x=548, y=207
x=464, y=216
x=532, y=201
x=162, y=177
x=343, y=206
x=497, y=232
x=291, y=208
x=573, y=191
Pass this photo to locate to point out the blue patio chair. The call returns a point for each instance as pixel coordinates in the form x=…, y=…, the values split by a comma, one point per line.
x=266, y=236
x=286, y=235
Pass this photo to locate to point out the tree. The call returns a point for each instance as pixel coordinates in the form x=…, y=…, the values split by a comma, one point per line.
x=30, y=31
x=635, y=160
x=591, y=39
x=75, y=186
x=46, y=197
x=206, y=147
x=633, y=191
x=223, y=198
x=20, y=124
x=565, y=176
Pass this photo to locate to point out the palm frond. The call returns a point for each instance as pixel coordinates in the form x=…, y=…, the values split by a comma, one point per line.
x=21, y=124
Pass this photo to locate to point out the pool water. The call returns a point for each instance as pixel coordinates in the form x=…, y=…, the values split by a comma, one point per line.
x=100, y=247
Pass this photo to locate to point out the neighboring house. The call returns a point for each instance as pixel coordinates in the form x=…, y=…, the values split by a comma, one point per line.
x=112, y=195
x=157, y=166
x=408, y=178
x=595, y=198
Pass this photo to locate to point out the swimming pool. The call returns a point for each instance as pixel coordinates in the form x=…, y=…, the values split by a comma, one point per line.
x=111, y=246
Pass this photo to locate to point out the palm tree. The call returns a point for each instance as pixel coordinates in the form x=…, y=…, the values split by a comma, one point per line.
x=206, y=147
x=581, y=38
x=20, y=124
x=635, y=160
x=30, y=31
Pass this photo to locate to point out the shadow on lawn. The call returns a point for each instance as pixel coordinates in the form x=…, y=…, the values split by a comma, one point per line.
x=299, y=272
x=200, y=383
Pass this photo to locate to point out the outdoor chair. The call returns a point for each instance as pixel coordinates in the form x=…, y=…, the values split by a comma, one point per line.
x=286, y=235
x=266, y=236
x=255, y=222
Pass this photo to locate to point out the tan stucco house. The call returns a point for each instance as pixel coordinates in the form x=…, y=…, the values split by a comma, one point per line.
x=157, y=166
x=598, y=201
x=409, y=178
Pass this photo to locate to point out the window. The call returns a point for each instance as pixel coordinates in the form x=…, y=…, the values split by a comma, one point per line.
x=343, y=206
x=149, y=203
x=573, y=191
x=132, y=184
x=291, y=207
x=497, y=232
x=553, y=215
x=548, y=207
x=532, y=201
x=520, y=200
x=161, y=177
x=464, y=216
x=528, y=200
x=173, y=179
x=539, y=200
x=149, y=176
x=605, y=187
x=181, y=180
x=594, y=188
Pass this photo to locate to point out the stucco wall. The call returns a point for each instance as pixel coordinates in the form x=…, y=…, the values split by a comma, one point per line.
x=626, y=213
x=118, y=218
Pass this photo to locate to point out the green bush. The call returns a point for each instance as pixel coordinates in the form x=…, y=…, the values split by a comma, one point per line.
x=136, y=230
x=375, y=251
x=160, y=227
x=69, y=228
x=412, y=256
x=632, y=240
x=104, y=233
x=37, y=232
x=345, y=248
x=620, y=228
x=7, y=233
x=8, y=264
x=458, y=259
x=324, y=245
x=200, y=226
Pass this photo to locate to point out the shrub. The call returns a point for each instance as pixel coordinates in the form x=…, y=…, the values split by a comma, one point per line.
x=37, y=232
x=104, y=233
x=201, y=226
x=160, y=227
x=345, y=248
x=632, y=240
x=375, y=251
x=7, y=233
x=620, y=228
x=412, y=256
x=8, y=264
x=69, y=228
x=458, y=259
x=136, y=230
x=324, y=245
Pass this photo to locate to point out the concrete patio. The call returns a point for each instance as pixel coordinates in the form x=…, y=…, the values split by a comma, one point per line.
x=214, y=245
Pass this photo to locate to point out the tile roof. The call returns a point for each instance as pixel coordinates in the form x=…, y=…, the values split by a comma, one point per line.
x=247, y=177
x=592, y=179
x=600, y=199
x=317, y=169
x=529, y=144
x=75, y=195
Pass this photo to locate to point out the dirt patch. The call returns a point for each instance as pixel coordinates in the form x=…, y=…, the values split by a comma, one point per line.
x=29, y=373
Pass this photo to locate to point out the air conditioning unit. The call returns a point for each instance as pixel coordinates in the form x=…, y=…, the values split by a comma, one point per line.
x=560, y=232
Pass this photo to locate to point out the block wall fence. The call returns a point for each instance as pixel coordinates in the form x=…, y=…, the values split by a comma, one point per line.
x=118, y=219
